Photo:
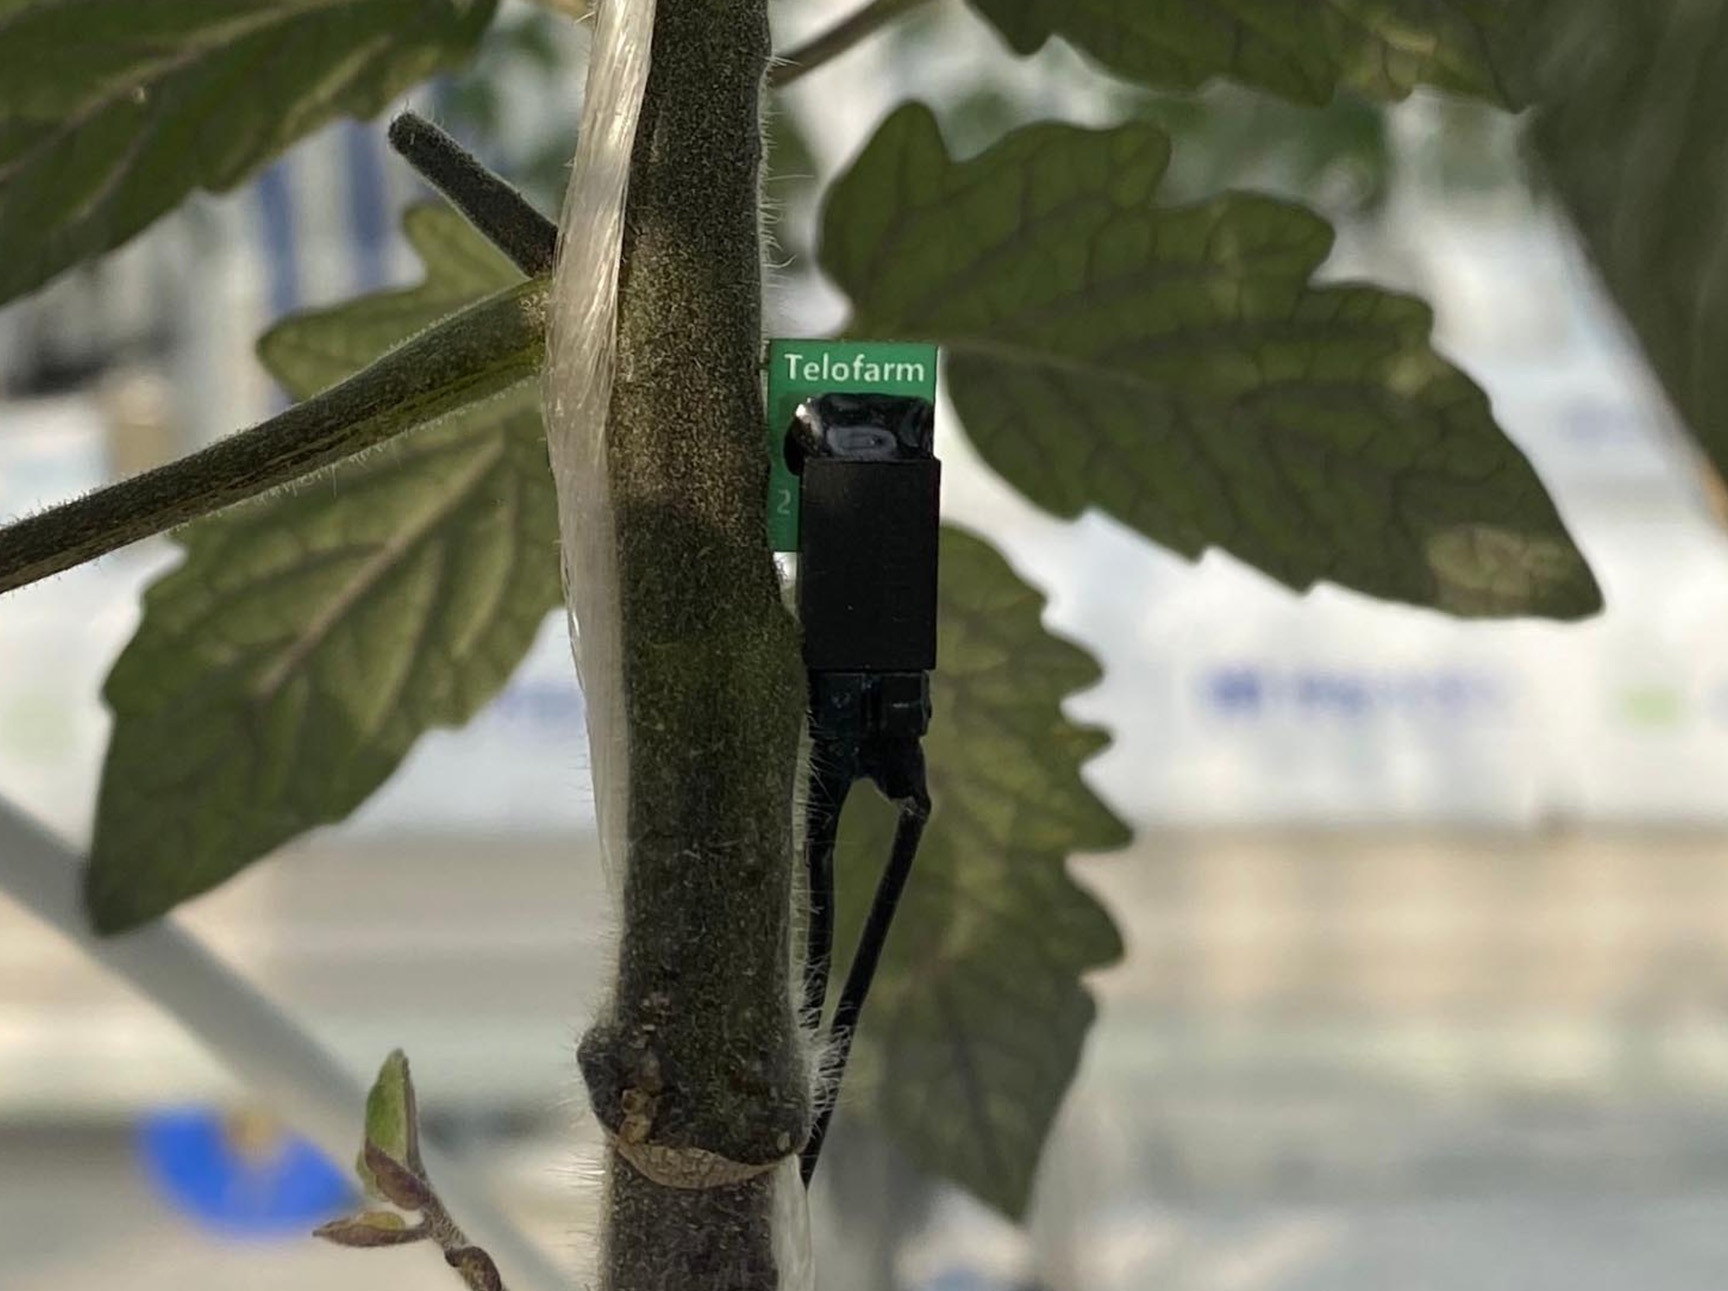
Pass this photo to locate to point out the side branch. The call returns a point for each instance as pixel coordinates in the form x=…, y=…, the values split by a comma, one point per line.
x=838, y=39
x=502, y=214
x=478, y=353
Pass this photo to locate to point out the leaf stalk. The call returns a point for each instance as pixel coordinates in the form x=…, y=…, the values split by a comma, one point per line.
x=473, y=355
x=485, y=200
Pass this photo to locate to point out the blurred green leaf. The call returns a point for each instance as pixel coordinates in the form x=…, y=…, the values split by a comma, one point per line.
x=977, y=1019
x=311, y=351
x=1337, y=156
x=1632, y=135
x=1303, y=49
x=1177, y=368
x=112, y=111
x=285, y=668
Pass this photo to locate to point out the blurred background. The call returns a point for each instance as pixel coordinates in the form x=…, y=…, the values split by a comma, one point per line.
x=1427, y=922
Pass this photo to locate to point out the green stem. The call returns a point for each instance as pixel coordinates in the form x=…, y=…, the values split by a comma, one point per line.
x=839, y=38
x=478, y=353
x=697, y=1068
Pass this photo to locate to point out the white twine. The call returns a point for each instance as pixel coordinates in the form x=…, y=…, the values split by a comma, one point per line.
x=581, y=348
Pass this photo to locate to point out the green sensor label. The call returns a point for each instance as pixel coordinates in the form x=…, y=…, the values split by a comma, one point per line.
x=799, y=370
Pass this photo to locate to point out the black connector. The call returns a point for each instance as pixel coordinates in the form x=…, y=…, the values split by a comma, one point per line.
x=869, y=501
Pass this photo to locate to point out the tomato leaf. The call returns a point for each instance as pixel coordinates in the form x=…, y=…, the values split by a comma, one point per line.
x=1179, y=369
x=285, y=668
x=112, y=111
x=978, y=1014
x=1304, y=50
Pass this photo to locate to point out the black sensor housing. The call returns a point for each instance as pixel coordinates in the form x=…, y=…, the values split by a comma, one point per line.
x=870, y=512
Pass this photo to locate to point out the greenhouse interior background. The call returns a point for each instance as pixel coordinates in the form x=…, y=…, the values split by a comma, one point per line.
x=1426, y=982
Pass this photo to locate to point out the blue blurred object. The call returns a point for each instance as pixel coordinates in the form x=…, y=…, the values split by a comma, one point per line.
x=964, y=1279
x=241, y=1175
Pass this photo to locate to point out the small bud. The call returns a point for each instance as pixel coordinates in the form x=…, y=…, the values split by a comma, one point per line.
x=392, y=1121
x=476, y=1268
x=392, y=1114
x=371, y=1228
x=396, y=1181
